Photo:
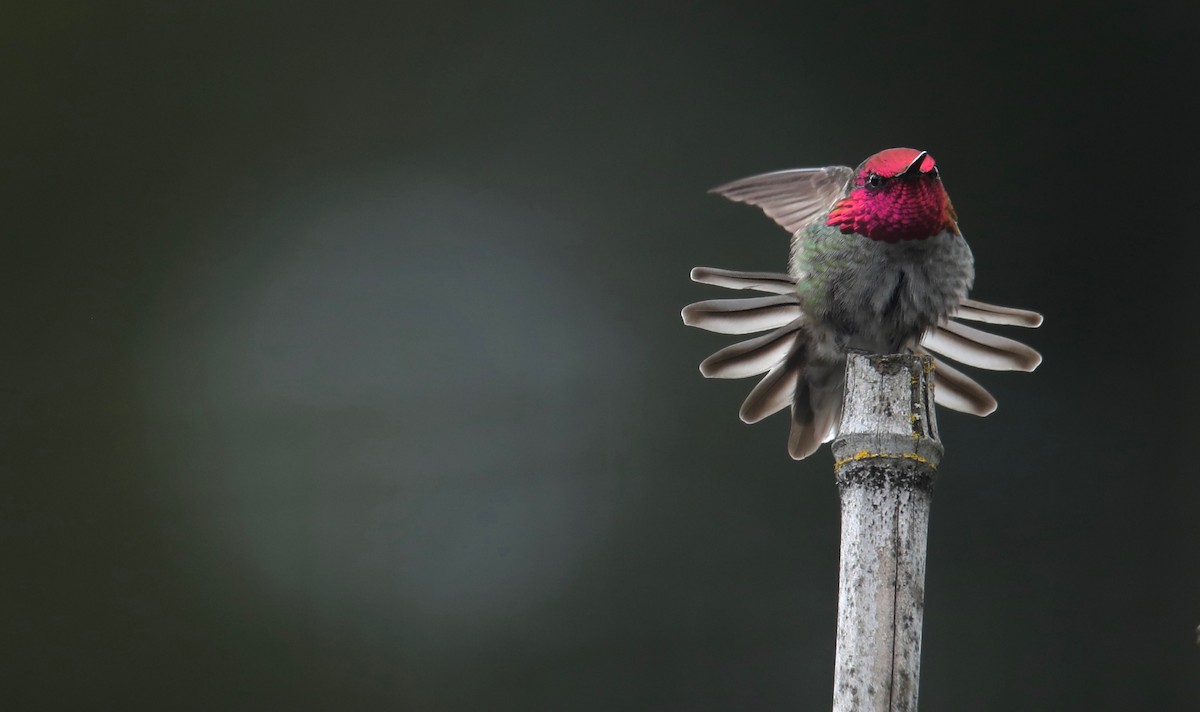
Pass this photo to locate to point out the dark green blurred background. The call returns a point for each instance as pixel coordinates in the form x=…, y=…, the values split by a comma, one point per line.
x=344, y=367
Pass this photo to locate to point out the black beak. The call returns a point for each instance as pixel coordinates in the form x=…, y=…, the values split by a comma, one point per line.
x=914, y=168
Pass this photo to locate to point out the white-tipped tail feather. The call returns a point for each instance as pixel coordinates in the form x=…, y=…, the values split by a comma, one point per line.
x=743, y=316
x=772, y=394
x=816, y=408
x=979, y=348
x=972, y=310
x=752, y=357
x=956, y=390
x=774, y=282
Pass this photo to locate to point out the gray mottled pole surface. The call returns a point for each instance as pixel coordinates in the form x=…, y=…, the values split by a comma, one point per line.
x=886, y=456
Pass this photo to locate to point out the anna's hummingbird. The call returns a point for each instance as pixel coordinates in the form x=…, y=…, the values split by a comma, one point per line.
x=878, y=265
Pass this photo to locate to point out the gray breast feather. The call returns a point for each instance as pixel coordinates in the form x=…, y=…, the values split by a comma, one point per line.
x=880, y=296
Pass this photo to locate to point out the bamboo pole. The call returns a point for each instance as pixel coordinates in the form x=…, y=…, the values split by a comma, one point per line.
x=886, y=455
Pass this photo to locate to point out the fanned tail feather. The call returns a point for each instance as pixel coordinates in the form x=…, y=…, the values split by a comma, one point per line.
x=816, y=408
x=956, y=390
x=980, y=349
x=751, y=357
x=814, y=390
x=774, y=282
x=743, y=316
x=992, y=314
x=773, y=393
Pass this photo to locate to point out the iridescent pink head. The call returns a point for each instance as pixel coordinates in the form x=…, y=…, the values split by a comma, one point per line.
x=896, y=195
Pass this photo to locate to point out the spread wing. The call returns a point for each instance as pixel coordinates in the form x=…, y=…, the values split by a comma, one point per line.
x=790, y=198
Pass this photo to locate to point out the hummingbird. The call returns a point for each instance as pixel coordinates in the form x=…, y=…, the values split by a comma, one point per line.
x=878, y=265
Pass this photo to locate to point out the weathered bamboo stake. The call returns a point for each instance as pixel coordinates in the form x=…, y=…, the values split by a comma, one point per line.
x=886, y=456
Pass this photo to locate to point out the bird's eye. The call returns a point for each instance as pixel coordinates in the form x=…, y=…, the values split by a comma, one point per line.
x=874, y=180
